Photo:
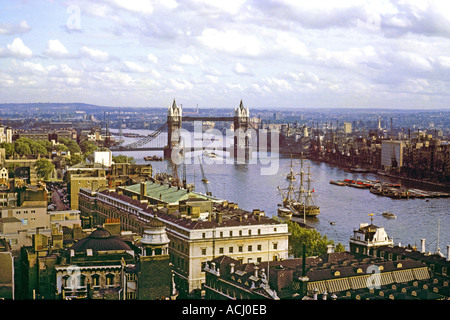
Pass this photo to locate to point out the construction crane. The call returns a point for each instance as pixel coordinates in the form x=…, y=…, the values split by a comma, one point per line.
x=204, y=180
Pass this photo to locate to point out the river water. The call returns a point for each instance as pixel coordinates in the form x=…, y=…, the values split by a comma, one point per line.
x=345, y=206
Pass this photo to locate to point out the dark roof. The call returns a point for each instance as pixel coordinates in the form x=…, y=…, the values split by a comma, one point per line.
x=100, y=240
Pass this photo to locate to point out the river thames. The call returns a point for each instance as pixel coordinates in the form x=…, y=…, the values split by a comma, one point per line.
x=345, y=206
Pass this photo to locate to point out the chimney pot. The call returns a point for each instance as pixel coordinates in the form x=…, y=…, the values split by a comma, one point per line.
x=256, y=271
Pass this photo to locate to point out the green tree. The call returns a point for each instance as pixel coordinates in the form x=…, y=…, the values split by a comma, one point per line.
x=75, y=158
x=61, y=147
x=123, y=159
x=88, y=147
x=315, y=243
x=71, y=144
x=44, y=168
x=21, y=147
x=9, y=148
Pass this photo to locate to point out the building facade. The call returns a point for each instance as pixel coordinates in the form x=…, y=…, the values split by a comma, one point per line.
x=198, y=228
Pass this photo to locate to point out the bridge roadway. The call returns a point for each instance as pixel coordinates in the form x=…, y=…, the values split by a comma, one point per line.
x=189, y=149
x=189, y=118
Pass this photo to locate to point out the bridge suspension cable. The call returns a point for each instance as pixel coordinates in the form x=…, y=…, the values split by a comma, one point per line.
x=147, y=139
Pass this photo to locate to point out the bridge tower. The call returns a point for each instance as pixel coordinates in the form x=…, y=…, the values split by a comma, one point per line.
x=174, y=118
x=241, y=138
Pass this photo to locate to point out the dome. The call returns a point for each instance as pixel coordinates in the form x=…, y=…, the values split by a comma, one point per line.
x=100, y=240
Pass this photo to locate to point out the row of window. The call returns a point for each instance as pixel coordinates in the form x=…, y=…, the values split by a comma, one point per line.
x=240, y=248
x=241, y=233
x=25, y=212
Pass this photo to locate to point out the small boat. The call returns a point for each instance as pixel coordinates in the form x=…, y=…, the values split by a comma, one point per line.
x=389, y=215
x=210, y=154
x=338, y=182
x=153, y=158
x=284, y=213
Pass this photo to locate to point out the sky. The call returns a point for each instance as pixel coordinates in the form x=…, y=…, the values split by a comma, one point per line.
x=270, y=54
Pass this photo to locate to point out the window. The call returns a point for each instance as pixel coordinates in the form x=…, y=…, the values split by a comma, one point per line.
x=110, y=279
x=221, y=250
x=250, y=248
x=240, y=248
x=231, y=233
x=250, y=232
x=259, y=247
x=203, y=251
x=95, y=280
x=203, y=235
x=259, y=231
x=275, y=246
x=221, y=234
x=230, y=249
x=240, y=232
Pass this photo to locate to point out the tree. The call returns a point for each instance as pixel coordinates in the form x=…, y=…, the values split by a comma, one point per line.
x=71, y=144
x=61, y=147
x=123, y=159
x=44, y=168
x=75, y=158
x=9, y=148
x=315, y=243
x=87, y=147
x=21, y=147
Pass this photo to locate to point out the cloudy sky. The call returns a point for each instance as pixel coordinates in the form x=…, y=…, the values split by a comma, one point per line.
x=269, y=53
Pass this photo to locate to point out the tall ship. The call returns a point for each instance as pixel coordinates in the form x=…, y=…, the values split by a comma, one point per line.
x=298, y=200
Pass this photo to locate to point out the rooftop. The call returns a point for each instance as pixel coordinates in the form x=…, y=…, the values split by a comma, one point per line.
x=165, y=193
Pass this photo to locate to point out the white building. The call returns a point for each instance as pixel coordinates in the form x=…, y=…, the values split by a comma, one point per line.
x=103, y=157
x=392, y=153
x=5, y=134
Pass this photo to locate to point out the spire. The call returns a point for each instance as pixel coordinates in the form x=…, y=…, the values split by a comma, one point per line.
x=241, y=111
x=174, y=110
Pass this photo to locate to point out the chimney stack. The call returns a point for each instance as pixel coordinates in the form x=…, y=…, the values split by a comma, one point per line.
x=231, y=268
x=330, y=248
x=422, y=242
x=143, y=189
x=256, y=271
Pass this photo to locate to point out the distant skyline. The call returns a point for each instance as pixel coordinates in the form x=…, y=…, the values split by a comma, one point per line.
x=271, y=54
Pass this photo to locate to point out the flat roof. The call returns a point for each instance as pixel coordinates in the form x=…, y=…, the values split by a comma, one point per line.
x=166, y=193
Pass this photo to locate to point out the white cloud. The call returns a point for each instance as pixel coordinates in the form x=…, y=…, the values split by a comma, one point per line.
x=16, y=49
x=152, y=58
x=181, y=84
x=134, y=67
x=188, y=59
x=241, y=70
x=233, y=42
x=135, y=6
x=94, y=54
x=8, y=29
x=56, y=49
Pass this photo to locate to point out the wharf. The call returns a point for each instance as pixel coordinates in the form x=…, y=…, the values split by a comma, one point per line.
x=392, y=190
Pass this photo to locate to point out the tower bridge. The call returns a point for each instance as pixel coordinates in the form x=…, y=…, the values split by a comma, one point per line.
x=241, y=144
